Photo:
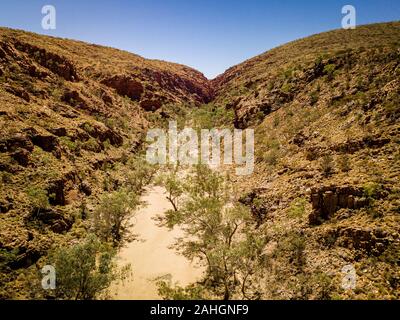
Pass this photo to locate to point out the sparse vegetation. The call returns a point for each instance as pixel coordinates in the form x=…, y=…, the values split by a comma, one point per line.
x=85, y=270
x=325, y=104
x=38, y=197
x=112, y=219
x=327, y=165
x=298, y=208
x=343, y=163
x=218, y=235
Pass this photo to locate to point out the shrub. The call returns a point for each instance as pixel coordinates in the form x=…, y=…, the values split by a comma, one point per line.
x=372, y=190
x=314, y=97
x=344, y=163
x=287, y=88
x=85, y=270
x=327, y=165
x=139, y=174
x=294, y=244
x=92, y=145
x=112, y=217
x=6, y=177
x=276, y=121
x=71, y=145
x=329, y=70
x=297, y=208
x=311, y=155
x=38, y=198
x=107, y=144
x=88, y=127
x=272, y=157
x=7, y=257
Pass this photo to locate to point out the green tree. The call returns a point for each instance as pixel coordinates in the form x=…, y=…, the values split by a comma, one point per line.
x=173, y=185
x=139, y=174
x=112, y=219
x=39, y=198
x=85, y=270
x=219, y=233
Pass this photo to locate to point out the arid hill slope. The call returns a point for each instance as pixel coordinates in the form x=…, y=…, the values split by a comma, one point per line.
x=70, y=114
x=326, y=188
x=325, y=110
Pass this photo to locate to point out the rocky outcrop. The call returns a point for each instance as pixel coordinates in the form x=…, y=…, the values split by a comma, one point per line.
x=151, y=104
x=46, y=141
x=327, y=200
x=18, y=92
x=125, y=86
x=259, y=208
x=21, y=156
x=103, y=133
x=59, y=132
x=348, y=147
x=52, y=61
x=6, y=204
x=370, y=240
x=15, y=143
x=187, y=85
x=74, y=99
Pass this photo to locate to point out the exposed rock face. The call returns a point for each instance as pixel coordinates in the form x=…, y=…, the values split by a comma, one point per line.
x=103, y=133
x=125, y=86
x=18, y=92
x=59, y=132
x=348, y=147
x=15, y=142
x=57, y=220
x=327, y=200
x=370, y=240
x=56, y=190
x=6, y=204
x=74, y=99
x=188, y=85
x=55, y=63
x=46, y=141
x=21, y=156
x=151, y=104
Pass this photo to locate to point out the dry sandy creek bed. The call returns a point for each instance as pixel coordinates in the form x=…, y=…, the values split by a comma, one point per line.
x=152, y=257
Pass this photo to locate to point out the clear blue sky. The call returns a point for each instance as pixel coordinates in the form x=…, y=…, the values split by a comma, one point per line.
x=209, y=35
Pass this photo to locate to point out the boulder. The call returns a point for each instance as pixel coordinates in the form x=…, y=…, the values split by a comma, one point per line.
x=56, y=192
x=6, y=205
x=16, y=142
x=47, y=142
x=73, y=98
x=85, y=188
x=56, y=219
x=59, y=132
x=18, y=92
x=372, y=241
x=101, y=132
x=151, y=105
x=21, y=156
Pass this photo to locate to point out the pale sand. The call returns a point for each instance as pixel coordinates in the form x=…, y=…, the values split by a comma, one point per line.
x=153, y=257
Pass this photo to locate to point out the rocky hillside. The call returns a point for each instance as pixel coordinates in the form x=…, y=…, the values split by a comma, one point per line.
x=326, y=115
x=70, y=113
x=325, y=109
